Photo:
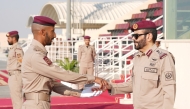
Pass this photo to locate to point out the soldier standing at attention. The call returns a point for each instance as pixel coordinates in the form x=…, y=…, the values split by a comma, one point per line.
x=153, y=80
x=39, y=73
x=86, y=58
x=14, y=69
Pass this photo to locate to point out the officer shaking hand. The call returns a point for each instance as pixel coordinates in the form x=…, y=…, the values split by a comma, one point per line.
x=39, y=73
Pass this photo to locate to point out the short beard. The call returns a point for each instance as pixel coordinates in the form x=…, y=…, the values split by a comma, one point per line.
x=10, y=43
x=140, y=44
x=47, y=39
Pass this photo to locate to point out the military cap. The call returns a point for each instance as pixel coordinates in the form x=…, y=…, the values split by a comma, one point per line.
x=143, y=25
x=12, y=33
x=43, y=20
x=87, y=37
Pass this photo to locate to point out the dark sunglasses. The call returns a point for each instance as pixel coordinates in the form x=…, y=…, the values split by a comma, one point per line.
x=136, y=36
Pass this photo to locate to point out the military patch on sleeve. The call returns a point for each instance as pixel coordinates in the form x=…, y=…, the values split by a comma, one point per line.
x=47, y=60
x=19, y=57
x=169, y=76
x=151, y=70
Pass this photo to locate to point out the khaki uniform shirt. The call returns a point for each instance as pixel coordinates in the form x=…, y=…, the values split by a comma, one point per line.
x=14, y=58
x=153, y=80
x=86, y=56
x=39, y=74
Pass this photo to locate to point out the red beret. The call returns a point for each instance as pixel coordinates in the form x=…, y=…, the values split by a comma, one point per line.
x=11, y=33
x=86, y=37
x=143, y=25
x=43, y=20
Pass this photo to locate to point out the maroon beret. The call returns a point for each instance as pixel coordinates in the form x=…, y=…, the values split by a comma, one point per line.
x=143, y=25
x=87, y=37
x=11, y=33
x=43, y=20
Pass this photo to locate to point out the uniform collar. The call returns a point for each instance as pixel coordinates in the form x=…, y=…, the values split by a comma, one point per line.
x=149, y=52
x=86, y=45
x=39, y=47
x=14, y=45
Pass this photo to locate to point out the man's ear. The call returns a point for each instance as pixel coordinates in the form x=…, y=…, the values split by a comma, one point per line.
x=149, y=37
x=13, y=38
x=42, y=32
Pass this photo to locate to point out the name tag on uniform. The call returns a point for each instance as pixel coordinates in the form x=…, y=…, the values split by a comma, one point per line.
x=151, y=70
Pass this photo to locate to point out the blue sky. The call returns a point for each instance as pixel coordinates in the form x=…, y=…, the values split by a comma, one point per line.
x=14, y=13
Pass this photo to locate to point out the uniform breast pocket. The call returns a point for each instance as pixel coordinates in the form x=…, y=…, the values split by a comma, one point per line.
x=90, y=51
x=149, y=82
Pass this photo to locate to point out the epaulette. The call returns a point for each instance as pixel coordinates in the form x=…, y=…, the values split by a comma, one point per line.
x=161, y=54
x=36, y=48
x=18, y=47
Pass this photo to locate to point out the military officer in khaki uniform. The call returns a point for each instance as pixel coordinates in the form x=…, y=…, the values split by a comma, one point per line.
x=86, y=58
x=14, y=69
x=39, y=74
x=153, y=80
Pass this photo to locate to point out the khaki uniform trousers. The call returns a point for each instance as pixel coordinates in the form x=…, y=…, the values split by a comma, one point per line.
x=85, y=70
x=15, y=86
x=33, y=104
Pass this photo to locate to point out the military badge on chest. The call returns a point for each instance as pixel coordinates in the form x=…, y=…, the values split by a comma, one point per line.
x=153, y=61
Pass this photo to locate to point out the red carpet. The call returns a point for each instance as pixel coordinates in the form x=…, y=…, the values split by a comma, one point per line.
x=104, y=101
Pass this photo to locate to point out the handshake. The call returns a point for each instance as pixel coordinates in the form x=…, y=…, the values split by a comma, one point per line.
x=91, y=90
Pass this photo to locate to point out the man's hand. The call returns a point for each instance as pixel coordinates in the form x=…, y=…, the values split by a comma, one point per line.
x=89, y=92
x=103, y=83
x=97, y=87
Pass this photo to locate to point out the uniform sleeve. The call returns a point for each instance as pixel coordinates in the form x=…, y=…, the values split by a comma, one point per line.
x=79, y=53
x=94, y=53
x=65, y=90
x=172, y=56
x=44, y=67
x=121, y=88
x=168, y=82
x=19, y=54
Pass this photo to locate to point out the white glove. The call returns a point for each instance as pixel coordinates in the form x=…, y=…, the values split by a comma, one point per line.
x=87, y=91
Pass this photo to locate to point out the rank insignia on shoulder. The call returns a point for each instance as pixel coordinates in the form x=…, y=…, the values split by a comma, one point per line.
x=47, y=60
x=163, y=55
